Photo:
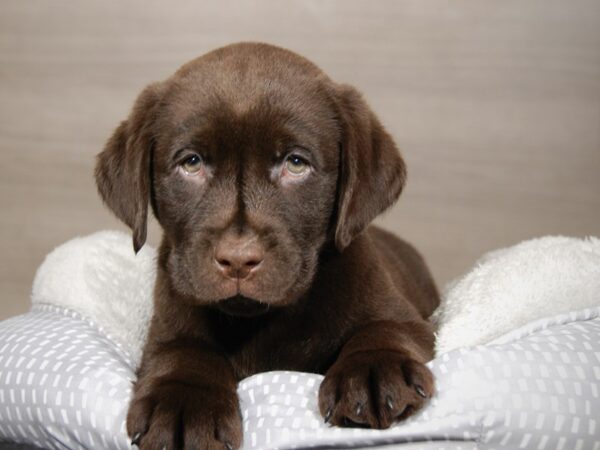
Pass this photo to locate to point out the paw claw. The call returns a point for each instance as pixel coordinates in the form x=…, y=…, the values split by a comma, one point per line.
x=420, y=391
x=389, y=403
x=359, y=409
x=328, y=415
x=135, y=440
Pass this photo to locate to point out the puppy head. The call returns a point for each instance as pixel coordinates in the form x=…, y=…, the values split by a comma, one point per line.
x=252, y=160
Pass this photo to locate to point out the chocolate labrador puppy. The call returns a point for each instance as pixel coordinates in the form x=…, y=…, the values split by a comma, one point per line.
x=264, y=175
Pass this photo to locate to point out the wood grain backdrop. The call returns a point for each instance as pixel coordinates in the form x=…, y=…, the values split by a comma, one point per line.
x=495, y=104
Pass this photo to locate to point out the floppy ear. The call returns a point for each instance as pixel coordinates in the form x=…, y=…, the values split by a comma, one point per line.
x=372, y=172
x=123, y=167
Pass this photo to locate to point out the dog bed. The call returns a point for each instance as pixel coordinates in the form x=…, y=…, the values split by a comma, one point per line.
x=517, y=364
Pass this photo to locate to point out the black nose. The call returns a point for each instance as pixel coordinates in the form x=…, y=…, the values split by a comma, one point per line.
x=238, y=256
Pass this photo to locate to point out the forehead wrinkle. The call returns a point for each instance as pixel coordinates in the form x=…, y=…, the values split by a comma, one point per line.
x=249, y=161
x=241, y=207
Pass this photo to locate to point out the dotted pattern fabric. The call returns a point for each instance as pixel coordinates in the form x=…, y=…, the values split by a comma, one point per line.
x=541, y=391
x=65, y=384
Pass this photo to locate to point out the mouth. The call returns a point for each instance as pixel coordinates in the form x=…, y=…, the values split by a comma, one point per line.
x=241, y=306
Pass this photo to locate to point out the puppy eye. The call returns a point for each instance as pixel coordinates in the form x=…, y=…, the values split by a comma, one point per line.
x=192, y=164
x=296, y=165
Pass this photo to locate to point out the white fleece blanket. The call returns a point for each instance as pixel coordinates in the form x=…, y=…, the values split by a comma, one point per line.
x=101, y=277
x=511, y=287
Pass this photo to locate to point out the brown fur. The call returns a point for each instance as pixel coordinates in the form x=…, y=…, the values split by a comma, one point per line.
x=259, y=269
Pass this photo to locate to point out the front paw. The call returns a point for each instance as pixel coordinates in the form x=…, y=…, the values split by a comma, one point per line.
x=374, y=389
x=173, y=415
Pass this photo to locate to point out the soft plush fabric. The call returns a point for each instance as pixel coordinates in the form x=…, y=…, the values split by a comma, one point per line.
x=65, y=379
x=510, y=287
x=100, y=276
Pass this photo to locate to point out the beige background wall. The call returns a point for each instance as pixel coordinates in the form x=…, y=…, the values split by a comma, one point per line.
x=496, y=105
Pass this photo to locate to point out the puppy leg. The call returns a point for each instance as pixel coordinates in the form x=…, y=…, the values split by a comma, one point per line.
x=379, y=376
x=185, y=397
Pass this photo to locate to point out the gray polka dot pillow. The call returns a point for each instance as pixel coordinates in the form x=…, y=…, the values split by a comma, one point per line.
x=65, y=378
